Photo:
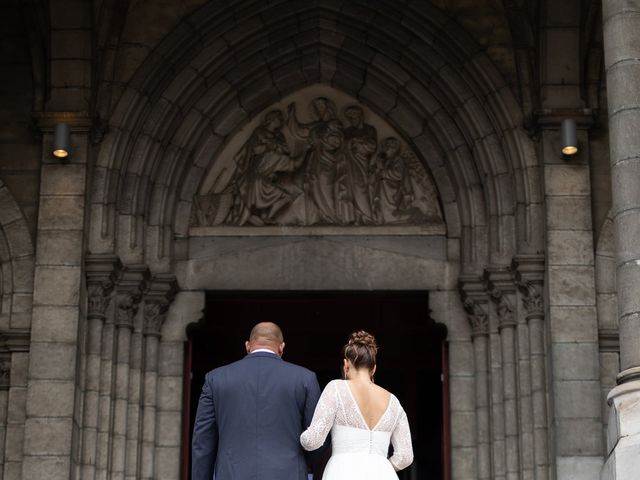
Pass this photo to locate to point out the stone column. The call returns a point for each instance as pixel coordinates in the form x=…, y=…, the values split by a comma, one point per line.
x=157, y=301
x=5, y=372
x=16, y=345
x=528, y=273
x=104, y=395
x=475, y=304
x=50, y=427
x=499, y=285
x=622, y=51
x=128, y=296
x=101, y=273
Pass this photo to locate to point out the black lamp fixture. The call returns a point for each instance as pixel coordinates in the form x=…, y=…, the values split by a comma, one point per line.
x=62, y=141
x=568, y=137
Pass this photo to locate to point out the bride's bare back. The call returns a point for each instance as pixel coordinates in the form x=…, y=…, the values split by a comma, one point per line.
x=372, y=401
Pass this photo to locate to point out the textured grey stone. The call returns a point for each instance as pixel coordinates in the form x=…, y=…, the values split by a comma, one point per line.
x=48, y=436
x=51, y=468
x=620, y=43
x=577, y=399
x=55, y=324
x=566, y=180
x=70, y=73
x=623, y=135
x=52, y=361
x=627, y=234
x=569, y=213
x=580, y=436
x=573, y=324
x=379, y=93
x=9, y=210
x=61, y=213
x=625, y=195
x=57, y=286
x=627, y=279
x=571, y=286
x=40, y=393
x=581, y=467
x=59, y=247
x=228, y=117
x=299, y=262
x=570, y=247
x=407, y=118
x=464, y=424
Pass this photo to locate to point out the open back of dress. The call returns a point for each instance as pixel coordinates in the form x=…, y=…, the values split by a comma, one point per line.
x=358, y=451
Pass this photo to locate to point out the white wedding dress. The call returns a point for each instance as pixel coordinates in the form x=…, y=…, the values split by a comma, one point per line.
x=358, y=453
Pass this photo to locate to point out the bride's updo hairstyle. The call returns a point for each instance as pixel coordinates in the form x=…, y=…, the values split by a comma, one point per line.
x=361, y=350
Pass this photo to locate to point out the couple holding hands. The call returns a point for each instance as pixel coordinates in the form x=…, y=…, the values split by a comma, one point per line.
x=255, y=416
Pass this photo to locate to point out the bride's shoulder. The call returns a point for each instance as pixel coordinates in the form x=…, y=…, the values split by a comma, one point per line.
x=334, y=384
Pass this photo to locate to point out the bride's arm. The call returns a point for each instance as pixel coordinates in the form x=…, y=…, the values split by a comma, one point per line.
x=401, y=441
x=314, y=436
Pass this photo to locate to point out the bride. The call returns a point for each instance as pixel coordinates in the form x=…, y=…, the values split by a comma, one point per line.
x=363, y=419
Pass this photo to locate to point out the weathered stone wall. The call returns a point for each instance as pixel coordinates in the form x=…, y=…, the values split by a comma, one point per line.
x=165, y=88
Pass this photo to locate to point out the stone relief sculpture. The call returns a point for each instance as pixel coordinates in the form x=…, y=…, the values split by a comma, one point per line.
x=326, y=171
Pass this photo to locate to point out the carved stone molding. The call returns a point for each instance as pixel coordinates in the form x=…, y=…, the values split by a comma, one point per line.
x=133, y=282
x=528, y=276
x=498, y=283
x=13, y=340
x=5, y=373
x=609, y=340
x=474, y=301
x=102, y=273
x=157, y=298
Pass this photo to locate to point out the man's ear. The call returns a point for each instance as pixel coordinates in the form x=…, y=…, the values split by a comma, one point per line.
x=281, y=349
x=247, y=346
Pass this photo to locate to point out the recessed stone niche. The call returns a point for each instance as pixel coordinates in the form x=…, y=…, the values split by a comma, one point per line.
x=317, y=162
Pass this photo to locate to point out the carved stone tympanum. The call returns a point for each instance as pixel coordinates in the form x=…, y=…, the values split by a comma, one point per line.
x=324, y=165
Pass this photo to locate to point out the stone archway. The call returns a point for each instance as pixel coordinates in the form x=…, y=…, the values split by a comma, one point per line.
x=419, y=71
x=16, y=303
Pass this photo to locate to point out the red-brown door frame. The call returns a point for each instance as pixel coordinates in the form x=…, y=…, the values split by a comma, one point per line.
x=186, y=411
x=446, y=424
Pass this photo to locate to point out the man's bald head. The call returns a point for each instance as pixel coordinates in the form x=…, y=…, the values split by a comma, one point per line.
x=266, y=335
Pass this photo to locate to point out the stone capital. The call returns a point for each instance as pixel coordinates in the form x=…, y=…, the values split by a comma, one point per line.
x=474, y=300
x=499, y=285
x=157, y=298
x=528, y=276
x=102, y=272
x=129, y=289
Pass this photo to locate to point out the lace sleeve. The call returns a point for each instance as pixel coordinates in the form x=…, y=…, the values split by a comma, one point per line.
x=314, y=436
x=401, y=441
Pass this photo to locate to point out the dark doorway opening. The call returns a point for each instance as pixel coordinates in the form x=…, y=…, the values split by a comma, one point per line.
x=411, y=359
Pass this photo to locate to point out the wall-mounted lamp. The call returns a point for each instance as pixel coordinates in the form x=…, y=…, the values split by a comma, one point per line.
x=568, y=137
x=62, y=141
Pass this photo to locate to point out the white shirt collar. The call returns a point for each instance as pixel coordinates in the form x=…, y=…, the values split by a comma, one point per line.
x=263, y=350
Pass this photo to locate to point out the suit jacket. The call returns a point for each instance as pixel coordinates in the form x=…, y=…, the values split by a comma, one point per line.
x=249, y=420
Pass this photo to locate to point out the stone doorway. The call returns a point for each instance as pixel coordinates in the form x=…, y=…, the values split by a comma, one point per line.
x=316, y=325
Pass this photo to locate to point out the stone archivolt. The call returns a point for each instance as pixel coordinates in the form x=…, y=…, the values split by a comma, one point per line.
x=326, y=169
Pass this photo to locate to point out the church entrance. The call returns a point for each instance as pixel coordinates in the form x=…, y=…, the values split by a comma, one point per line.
x=411, y=356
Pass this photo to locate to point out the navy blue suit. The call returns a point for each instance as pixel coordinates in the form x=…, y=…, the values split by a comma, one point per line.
x=249, y=420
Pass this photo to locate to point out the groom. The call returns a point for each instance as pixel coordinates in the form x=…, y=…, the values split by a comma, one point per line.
x=251, y=414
